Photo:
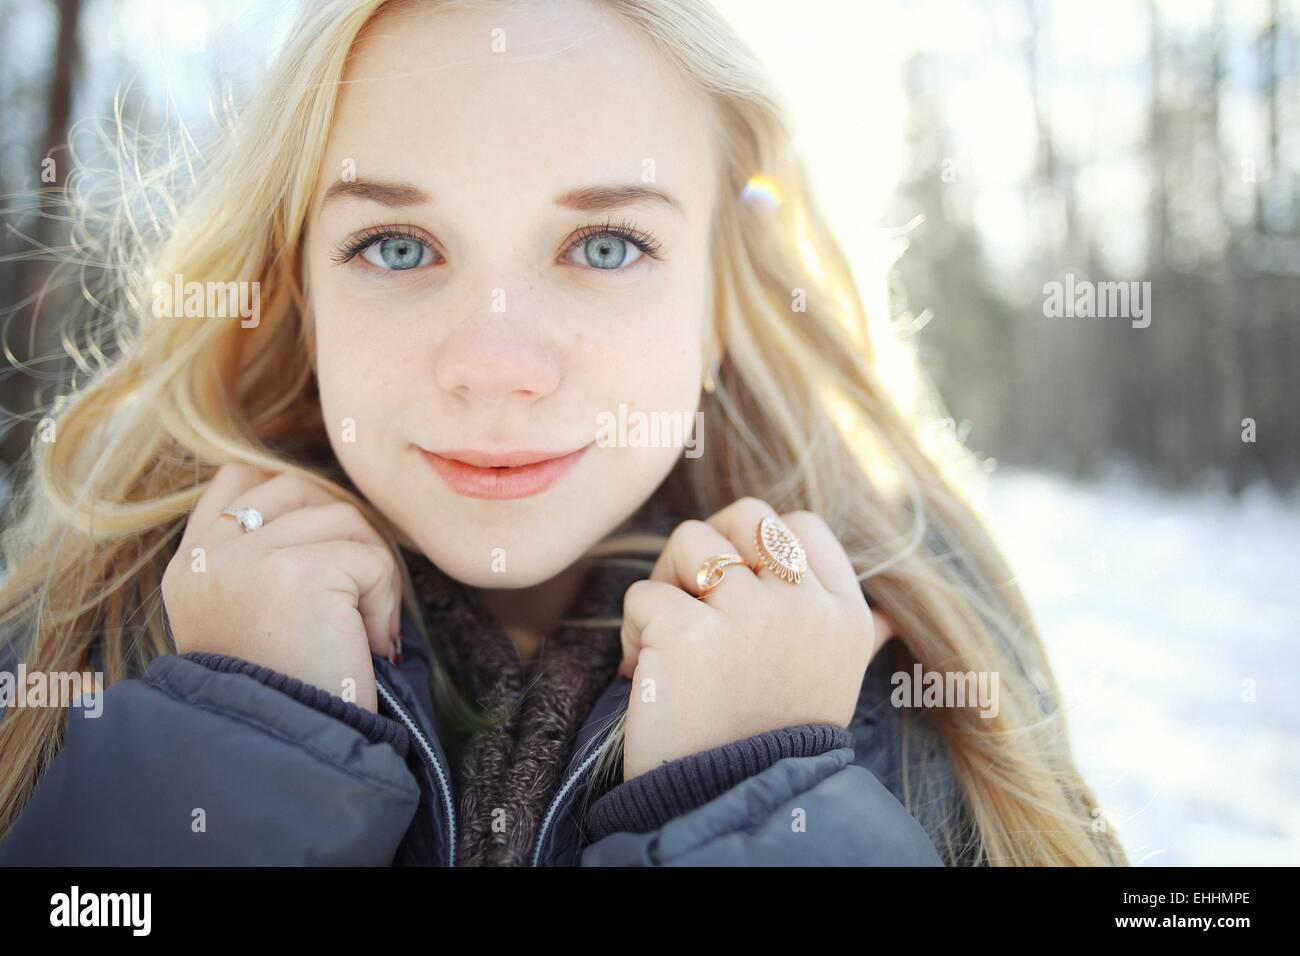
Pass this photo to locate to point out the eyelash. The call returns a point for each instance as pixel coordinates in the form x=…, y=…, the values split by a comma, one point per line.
x=349, y=249
x=624, y=230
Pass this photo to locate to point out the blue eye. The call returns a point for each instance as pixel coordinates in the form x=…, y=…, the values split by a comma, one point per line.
x=397, y=253
x=612, y=246
x=609, y=252
x=608, y=247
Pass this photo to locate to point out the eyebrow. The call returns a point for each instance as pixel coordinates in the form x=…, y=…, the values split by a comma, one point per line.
x=393, y=195
x=584, y=199
x=601, y=198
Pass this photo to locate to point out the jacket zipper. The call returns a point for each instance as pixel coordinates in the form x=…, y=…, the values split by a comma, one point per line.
x=555, y=804
x=391, y=699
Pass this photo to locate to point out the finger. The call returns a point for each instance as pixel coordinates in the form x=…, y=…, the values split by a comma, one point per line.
x=334, y=521
x=228, y=483
x=648, y=601
x=328, y=520
x=885, y=629
x=273, y=498
x=739, y=521
x=689, y=546
x=367, y=575
x=826, y=555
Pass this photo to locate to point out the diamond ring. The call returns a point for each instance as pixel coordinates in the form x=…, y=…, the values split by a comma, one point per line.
x=250, y=519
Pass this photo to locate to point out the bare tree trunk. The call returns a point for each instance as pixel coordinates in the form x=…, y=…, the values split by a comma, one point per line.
x=45, y=231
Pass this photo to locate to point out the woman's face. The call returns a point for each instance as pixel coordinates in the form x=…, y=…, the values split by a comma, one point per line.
x=468, y=296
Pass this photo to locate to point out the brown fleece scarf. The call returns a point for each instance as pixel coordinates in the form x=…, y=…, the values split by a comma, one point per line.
x=507, y=773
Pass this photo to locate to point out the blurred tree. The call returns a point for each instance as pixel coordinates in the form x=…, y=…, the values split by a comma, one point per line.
x=1077, y=394
x=966, y=344
x=23, y=286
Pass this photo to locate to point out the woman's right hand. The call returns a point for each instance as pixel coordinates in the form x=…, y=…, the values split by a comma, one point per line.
x=310, y=594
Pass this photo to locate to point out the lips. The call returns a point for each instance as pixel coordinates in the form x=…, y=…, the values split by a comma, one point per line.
x=501, y=475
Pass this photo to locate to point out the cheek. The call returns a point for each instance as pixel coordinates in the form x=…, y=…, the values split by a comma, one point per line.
x=356, y=366
x=652, y=358
x=358, y=342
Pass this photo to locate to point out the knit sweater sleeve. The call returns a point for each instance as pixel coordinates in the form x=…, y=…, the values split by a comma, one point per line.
x=650, y=800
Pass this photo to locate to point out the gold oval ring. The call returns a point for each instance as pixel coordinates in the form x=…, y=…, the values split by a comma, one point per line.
x=780, y=550
x=711, y=571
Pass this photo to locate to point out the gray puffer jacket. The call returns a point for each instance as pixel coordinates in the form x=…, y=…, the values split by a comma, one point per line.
x=208, y=759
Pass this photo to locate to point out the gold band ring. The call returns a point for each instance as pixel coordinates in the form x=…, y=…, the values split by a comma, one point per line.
x=779, y=550
x=711, y=571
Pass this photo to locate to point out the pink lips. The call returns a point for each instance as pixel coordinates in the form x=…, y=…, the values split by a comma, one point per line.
x=517, y=474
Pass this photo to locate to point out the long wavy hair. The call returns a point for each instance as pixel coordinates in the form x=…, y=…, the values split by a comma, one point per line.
x=802, y=417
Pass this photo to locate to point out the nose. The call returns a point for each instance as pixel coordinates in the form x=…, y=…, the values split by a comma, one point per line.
x=497, y=357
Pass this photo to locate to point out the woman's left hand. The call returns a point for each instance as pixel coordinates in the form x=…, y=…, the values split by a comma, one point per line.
x=756, y=653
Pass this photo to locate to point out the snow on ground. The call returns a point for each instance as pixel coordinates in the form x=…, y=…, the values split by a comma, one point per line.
x=1172, y=623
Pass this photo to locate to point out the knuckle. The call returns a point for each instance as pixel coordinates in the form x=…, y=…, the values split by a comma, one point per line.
x=284, y=568
x=636, y=591
x=690, y=527
x=384, y=555
x=167, y=586
x=241, y=469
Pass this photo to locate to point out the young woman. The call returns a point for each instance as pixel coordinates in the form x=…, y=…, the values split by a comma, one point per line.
x=359, y=562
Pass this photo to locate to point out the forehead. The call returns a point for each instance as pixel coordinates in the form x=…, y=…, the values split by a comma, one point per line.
x=517, y=97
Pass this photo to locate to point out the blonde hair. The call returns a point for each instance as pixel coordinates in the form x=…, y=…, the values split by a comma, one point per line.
x=801, y=418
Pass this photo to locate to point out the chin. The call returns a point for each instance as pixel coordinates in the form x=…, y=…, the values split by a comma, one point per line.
x=522, y=564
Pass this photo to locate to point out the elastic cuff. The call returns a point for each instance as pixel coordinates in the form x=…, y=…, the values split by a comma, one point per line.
x=647, y=802
x=374, y=727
